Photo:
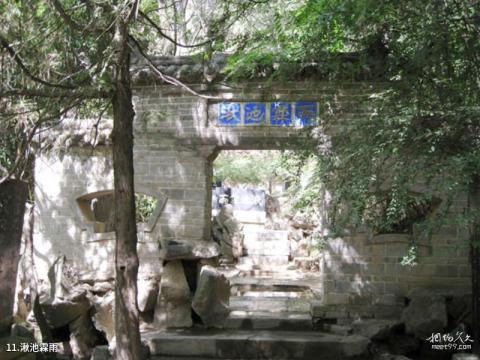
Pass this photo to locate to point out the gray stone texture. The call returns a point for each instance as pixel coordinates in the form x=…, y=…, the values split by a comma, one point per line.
x=147, y=294
x=176, y=138
x=173, y=307
x=211, y=299
x=189, y=250
x=375, y=329
x=228, y=232
x=425, y=314
x=103, y=317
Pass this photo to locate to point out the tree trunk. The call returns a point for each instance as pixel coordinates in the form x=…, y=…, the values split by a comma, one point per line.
x=474, y=200
x=128, y=343
x=13, y=195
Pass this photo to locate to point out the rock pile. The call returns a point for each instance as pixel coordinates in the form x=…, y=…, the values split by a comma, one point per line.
x=81, y=314
x=431, y=319
x=228, y=233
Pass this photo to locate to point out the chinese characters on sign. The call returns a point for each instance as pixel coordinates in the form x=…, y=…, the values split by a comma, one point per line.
x=450, y=341
x=255, y=113
x=306, y=113
x=32, y=347
x=229, y=114
x=302, y=113
x=281, y=114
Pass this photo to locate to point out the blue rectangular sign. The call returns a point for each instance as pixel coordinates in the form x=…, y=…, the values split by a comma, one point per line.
x=229, y=114
x=255, y=113
x=281, y=114
x=306, y=113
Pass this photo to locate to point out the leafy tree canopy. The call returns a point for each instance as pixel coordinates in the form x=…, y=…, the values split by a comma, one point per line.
x=423, y=128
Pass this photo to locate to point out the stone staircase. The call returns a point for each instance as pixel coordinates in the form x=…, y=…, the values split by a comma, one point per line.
x=258, y=344
x=269, y=300
x=270, y=315
x=270, y=319
x=265, y=249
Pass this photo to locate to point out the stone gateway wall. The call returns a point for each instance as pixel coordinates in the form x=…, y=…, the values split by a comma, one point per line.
x=177, y=137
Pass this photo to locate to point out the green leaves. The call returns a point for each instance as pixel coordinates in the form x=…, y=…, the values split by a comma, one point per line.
x=247, y=167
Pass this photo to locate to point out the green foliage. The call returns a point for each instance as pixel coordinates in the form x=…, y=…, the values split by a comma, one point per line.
x=422, y=128
x=144, y=206
x=60, y=58
x=247, y=167
x=411, y=257
x=301, y=172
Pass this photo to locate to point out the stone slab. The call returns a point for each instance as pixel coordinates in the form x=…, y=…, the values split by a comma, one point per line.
x=211, y=299
x=268, y=321
x=264, y=261
x=189, y=250
x=173, y=306
x=269, y=304
x=256, y=345
x=266, y=235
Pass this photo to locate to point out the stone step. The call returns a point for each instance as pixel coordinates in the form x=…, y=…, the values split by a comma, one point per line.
x=256, y=243
x=276, y=305
x=271, y=281
x=265, y=273
x=271, y=294
x=264, y=261
x=250, y=217
x=273, y=290
x=261, y=320
x=268, y=250
x=265, y=236
x=255, y=344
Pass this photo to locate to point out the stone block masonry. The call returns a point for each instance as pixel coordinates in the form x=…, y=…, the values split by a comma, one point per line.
x=177, y=136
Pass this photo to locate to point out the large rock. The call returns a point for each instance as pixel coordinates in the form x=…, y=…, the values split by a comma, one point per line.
x=101, y=353
x=64, y=300
x=82, y=337
x=67, y=302
x=22, y=331
x=459, y=307
x=173, y=302
x=212, y=297
x=147, y=294
x=61, y=311
x=403, y=344
x=355, y=346
x=189, y=250
x=425, y=314
x=103, y=318
x=228, y=232
x=465, y=356
x=375, y=329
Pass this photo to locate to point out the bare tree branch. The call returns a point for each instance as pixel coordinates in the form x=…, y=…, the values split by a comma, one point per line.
x=160, y=31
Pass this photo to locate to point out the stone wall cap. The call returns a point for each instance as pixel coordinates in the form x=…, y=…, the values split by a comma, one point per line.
x=76, y=133
x=196, y=70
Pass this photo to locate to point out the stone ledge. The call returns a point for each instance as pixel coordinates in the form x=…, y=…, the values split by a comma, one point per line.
x=189, y=250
